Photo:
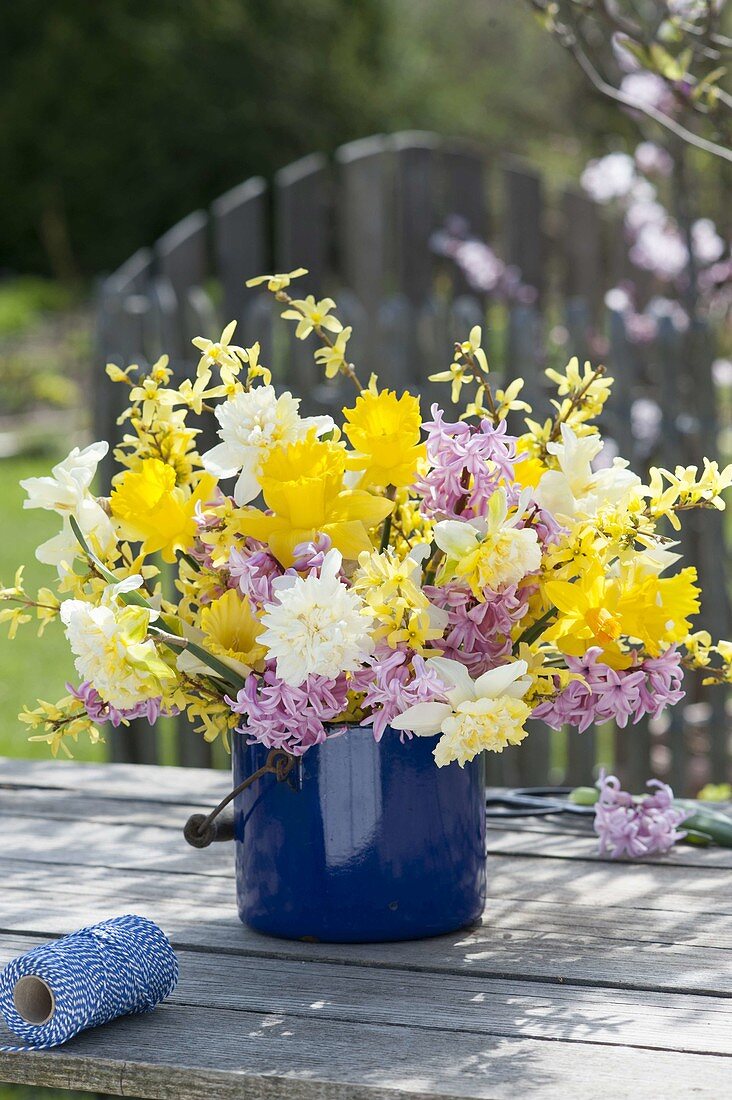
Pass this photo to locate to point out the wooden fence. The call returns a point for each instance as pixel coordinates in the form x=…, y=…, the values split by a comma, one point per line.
x=362, y=224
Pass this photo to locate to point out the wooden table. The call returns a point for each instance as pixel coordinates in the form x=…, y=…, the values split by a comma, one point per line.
x=586, y=979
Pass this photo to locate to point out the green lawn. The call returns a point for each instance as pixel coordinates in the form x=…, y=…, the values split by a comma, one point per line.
x=30, y=667
x=30, y=1092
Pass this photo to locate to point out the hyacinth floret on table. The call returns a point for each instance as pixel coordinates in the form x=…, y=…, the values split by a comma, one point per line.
x=434, y=574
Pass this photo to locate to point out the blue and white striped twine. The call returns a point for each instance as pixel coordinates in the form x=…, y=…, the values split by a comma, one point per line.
x=115, y=968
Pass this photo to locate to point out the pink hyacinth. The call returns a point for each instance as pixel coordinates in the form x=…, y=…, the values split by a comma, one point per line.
x=629, y=828
x=467, y=466
x=645, y=688
x=309, y=556
x=393, y=688
x=99, y=711
x=252, y=569
x=479, y=634
x=284, y=717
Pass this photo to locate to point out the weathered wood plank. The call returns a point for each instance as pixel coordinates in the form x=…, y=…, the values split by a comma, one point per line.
x=365, y=216
x=570, y=837
x=576, y=961
x=117, y=780
x=349, y=993
x=581, y=944
x=153, y=845
x=207, y=898
x=417, y=189
x=303, y=220
x=266, y=1056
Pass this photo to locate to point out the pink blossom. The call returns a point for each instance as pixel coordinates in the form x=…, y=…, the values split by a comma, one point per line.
x=467, y=465
x=707, y=244
x=627, y=827
x=252, y=570
x=309, y=556
x=649, y=90
x=653, y=159
x=610, y=177
x=284, y=717
x=479, y=634
x=394, y=687
x=661, y=249
x=99, y=711
x=645, y=688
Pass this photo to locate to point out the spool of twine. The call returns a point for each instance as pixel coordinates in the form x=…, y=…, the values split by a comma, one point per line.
x=115, y=968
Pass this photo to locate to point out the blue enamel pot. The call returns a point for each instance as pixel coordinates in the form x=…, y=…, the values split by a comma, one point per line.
x=362, y=842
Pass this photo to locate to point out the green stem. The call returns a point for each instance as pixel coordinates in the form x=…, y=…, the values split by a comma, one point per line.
x=222, y=670
x=536, y=629
x=386, y=532
x=134, y=596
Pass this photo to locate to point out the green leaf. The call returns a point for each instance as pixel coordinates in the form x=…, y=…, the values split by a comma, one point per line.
x=669, y=67
x=133, y=597
x=584, y=796
x=635, y=49
x=222, y=670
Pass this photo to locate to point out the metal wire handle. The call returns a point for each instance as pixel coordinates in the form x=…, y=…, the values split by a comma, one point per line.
x=203, y=829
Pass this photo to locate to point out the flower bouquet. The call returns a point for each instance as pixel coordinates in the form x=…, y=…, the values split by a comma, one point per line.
x=424, y=587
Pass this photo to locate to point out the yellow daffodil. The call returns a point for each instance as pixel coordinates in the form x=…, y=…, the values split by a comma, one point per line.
x=310, y=315
x=151, y=510
x=491, y=552
x=230, y=630
x=528, y=470
x=656, y=610
x=588, y=616
x=384, y=431
x=303, y=488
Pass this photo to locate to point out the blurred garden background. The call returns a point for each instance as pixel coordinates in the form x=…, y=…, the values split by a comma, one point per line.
x=117, y=120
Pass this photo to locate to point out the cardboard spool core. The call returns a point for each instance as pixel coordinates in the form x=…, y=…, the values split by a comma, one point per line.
x=34, y=1000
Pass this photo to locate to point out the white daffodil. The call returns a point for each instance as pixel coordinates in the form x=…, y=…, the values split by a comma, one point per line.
x=487, y=713
x=67, y=492
x=252, y=423
x=318, y=626
x=69, y=482
x=575, y=491
x=112, y=650
x=489, y=552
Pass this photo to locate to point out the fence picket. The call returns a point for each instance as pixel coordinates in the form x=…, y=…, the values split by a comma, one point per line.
x=525, y=244
x=365, y=217
x=582, y=247
x=303, y=219
x=239, y=220
x=416, y=215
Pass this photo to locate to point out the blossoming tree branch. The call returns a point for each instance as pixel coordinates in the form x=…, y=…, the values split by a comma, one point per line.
x=439, y=577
